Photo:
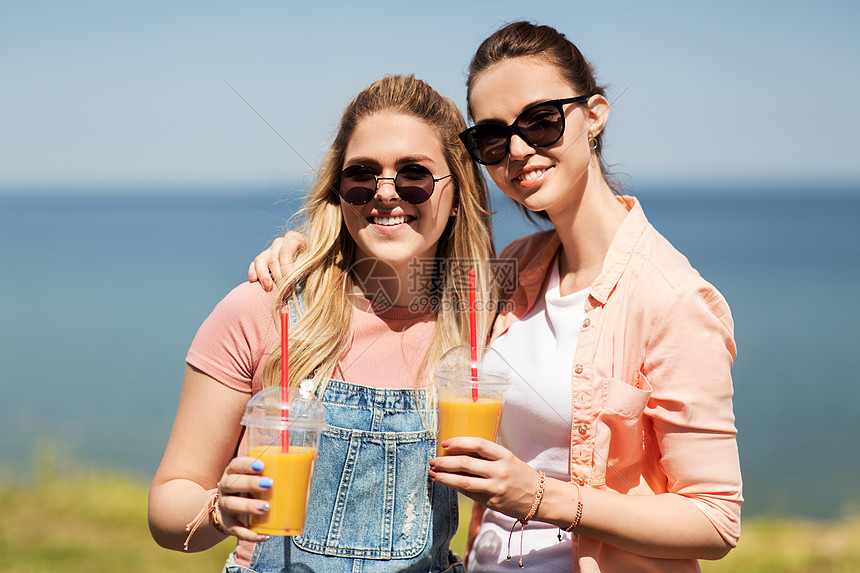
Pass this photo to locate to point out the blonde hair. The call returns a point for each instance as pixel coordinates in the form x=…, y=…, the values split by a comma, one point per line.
x=322, y=272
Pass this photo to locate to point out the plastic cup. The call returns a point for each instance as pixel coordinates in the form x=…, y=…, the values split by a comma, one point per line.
x=291, y=468
x=460, y=414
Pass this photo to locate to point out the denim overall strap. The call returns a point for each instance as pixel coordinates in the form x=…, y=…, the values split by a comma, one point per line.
x=296, y=305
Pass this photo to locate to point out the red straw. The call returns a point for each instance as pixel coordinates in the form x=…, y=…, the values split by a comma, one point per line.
x=285, y=381
x=473, y=335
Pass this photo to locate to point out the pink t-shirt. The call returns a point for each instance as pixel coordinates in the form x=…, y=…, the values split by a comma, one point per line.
x=233, y=343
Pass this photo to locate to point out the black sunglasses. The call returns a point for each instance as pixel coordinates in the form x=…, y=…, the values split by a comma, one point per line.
x=538, y=125
x=414, y=184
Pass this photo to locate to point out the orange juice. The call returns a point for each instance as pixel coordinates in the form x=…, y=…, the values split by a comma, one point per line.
x=463, y=417
x=288, y=496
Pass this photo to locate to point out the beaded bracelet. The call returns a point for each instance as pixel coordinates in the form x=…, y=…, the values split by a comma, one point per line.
x=578, y=515
x=538, y=498
x=529, y=515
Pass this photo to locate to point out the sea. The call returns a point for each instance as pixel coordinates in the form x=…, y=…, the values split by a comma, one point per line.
x=103, y=289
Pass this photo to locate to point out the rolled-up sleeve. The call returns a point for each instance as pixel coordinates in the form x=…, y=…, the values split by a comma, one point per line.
x=688, y=363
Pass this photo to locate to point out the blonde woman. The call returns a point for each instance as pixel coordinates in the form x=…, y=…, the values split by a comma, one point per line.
x=397, y=202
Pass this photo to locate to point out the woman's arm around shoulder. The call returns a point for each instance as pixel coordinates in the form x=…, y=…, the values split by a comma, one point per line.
x=276, y=262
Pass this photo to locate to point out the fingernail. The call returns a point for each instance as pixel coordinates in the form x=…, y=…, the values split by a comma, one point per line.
x=265, y=482
x=263, y=507
x=262, y=538
x=257, y=465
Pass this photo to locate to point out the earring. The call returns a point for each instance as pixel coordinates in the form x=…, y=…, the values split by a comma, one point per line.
x=592, y=141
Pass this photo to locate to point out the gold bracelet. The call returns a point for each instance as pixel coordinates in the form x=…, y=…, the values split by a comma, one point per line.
x=538, y=498
x=529, y=515
x=578, y=516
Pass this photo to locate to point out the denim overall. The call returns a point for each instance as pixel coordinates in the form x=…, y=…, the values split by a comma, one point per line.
x=372, y=509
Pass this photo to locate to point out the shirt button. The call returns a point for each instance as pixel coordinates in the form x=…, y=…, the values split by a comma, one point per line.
x=580, y=480
x=586, y=322
x=582, y=429
x=578, y=368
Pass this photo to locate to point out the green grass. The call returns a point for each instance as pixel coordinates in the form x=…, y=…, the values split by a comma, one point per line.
x=87, y=523
x=770, y=545
x=91, y=522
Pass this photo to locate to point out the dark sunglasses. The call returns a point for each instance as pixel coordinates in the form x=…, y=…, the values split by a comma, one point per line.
x=414, y=184
x=539, y=125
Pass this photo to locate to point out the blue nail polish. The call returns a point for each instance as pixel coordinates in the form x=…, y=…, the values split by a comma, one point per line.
x=265, y=482
x=264, y=507
x=257, y=465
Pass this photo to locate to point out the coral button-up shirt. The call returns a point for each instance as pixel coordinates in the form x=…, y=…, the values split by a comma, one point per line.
x=651, y=382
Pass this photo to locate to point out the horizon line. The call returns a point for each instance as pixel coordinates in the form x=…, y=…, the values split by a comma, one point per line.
x=296, y=187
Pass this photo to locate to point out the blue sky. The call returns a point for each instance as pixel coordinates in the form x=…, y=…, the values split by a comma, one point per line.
x=116, y=94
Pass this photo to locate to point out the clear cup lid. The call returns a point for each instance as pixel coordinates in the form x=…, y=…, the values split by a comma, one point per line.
x=264, y=409
x=457, y=363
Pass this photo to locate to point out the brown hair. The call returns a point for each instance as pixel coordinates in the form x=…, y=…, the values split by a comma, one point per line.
x=524, y=39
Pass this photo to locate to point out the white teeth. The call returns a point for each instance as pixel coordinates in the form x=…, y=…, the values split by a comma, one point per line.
x=531, y=175
x=389, y=221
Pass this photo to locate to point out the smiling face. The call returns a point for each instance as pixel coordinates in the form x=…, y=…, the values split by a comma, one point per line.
x=388, y=228
x=549, y=178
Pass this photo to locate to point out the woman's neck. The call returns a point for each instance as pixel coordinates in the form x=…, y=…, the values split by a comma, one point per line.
x=586, y=232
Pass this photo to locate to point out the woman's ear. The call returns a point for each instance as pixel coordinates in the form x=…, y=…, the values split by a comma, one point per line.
x=598, y=113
